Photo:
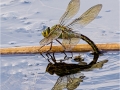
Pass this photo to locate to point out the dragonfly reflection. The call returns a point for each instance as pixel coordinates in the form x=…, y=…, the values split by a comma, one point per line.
x=70, y=82
x=66, y=32
x=70, y=75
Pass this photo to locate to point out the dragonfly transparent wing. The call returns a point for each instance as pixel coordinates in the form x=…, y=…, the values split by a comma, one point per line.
x=70, y=82
x=52, y=36
x=61, y=83
x=70, y=39
x=71, y=10
x=86, y=17
x=74, y=82
x=70, y=43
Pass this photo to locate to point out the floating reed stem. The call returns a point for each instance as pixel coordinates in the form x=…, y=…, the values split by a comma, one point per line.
x=78, y=48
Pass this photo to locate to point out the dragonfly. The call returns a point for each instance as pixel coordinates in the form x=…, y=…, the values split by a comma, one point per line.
x=66, y=32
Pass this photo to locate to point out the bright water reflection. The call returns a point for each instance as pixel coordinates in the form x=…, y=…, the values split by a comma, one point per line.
x=28, y=72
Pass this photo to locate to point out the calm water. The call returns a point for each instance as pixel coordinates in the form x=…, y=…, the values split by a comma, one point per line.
x=28, y=72
x=27, y=18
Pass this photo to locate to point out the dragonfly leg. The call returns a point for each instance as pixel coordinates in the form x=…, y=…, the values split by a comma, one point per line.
x=65, y=54
x=44, y=45
x=40, y=48
x=50, y=47
x=48, y=54
x=61, y=44
x=66, y=57
x=63, y=47
x=45, y=57
x=52, y=57
x=71, y=53
x=42, y=55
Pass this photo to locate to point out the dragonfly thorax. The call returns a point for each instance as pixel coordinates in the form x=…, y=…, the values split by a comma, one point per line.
x=66, y=32
x=58, y=26
x=47, y=31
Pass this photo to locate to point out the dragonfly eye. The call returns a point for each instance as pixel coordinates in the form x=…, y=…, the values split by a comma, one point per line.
x=48, y=30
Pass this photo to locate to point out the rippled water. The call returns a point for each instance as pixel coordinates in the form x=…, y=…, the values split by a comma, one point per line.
x=28, y=72
x=22, y=23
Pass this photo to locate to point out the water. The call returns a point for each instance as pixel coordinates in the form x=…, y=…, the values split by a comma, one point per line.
x=22, y=23
x=28, y=72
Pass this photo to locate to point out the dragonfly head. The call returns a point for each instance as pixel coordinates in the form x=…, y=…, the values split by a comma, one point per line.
x=46, y=32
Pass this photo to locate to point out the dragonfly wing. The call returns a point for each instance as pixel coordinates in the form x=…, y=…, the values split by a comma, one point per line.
x=61, y=83
x=74, y=81
x=70, y=82
x=54, y=34
x=86, y=17
x=70, y=43
x=71, y=10
x=70, y=40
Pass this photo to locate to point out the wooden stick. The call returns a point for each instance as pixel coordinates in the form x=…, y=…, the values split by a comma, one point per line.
x=78, y=48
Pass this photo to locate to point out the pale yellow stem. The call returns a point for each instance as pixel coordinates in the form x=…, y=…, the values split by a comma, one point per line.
x=78, y=48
